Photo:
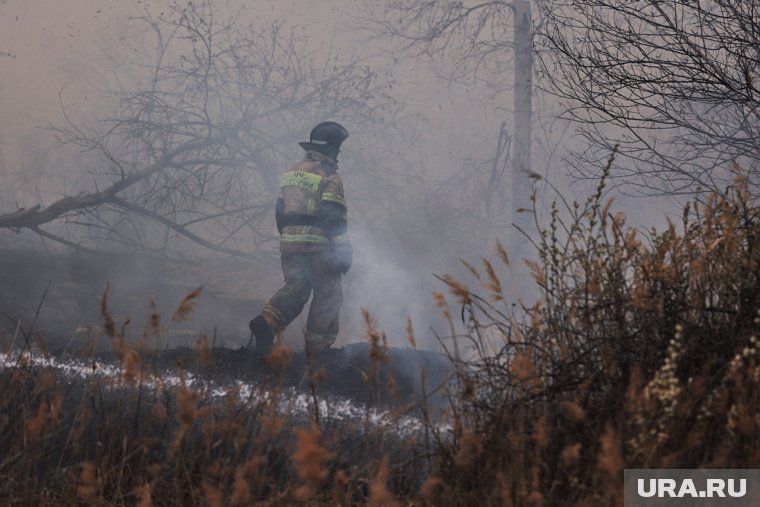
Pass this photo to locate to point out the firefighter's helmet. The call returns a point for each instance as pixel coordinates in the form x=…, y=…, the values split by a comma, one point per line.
x=326, y=139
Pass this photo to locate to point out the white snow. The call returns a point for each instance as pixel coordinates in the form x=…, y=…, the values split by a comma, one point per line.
x=296, y=403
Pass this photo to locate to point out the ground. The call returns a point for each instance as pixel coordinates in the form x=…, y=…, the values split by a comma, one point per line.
x=53, y=302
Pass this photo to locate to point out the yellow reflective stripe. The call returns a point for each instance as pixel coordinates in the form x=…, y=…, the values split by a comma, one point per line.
x=329, y=196
x=314, y=230
x=303, y=238
x=300, y=179
x=275, y=313
x=340, y=238
x=312, y=205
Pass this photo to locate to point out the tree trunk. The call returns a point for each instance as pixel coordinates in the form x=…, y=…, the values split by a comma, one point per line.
x=7, y=201
x=522, y=182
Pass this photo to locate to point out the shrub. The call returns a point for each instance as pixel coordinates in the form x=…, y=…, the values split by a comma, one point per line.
x=639, y=353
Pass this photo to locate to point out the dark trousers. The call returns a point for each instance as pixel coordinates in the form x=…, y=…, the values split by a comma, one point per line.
x=305, y=273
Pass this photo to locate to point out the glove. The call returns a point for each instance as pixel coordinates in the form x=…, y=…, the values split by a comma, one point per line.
x=344, y=257
x=338, y=258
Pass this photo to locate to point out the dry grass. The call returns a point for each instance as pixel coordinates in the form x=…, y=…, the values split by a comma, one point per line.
x=123, y=440
x=642, y=351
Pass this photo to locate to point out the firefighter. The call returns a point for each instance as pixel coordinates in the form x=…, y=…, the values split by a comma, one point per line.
x=314, y=245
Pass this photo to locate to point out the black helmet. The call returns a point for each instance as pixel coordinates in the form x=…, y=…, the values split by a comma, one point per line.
x=326, y=139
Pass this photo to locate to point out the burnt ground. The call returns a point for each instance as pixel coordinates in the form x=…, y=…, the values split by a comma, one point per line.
x=346, y=372
x=361, y=421
x=366, y=409
x=67, y=289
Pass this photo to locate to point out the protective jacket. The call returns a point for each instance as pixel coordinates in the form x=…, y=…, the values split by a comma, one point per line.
x=311, y=208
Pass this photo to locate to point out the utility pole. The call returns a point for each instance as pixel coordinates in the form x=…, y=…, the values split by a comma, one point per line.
x=522, y=182
x=6, y=191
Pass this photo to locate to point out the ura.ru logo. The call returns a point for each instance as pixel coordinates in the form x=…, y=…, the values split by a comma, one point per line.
x=670, y=488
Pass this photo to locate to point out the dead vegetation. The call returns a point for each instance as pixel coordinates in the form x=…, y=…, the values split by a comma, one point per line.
x=642, y=352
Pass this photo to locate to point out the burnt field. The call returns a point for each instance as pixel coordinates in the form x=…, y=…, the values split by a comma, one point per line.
x=337, y=376
x=55, y=318
x=94, y=432
x=99, y=406
x=134, y=423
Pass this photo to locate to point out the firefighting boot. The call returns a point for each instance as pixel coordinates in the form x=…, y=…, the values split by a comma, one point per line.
x=263, y=334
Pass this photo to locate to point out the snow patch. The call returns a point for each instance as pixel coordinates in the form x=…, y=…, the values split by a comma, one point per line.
x=333, y=408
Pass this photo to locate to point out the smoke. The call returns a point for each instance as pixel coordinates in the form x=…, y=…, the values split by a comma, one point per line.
x=415, y=202
x=389, y=283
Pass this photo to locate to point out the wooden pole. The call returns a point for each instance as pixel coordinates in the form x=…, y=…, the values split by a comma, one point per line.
x=522, y=183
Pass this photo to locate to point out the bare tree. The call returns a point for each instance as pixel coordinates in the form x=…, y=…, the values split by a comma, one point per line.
x=193, y=156
x=673, y=82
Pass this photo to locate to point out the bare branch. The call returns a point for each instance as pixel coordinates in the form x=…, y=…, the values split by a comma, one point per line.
x=670, y=81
